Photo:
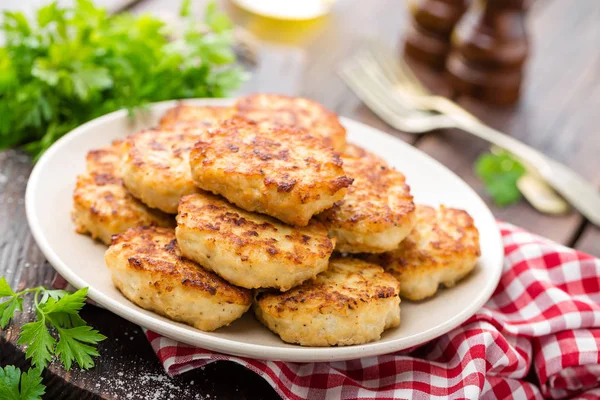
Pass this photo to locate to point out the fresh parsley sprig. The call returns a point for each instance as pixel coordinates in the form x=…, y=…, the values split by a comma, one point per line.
x=59, y=330
x=17, y=385
x=68, y=65
x=500, y=173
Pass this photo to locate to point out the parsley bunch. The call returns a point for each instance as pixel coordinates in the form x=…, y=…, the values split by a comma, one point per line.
x=69, y=65
x=57, y=318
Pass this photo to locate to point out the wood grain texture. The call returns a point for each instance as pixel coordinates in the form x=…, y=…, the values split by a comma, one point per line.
x=558, y=115
x=589, y=241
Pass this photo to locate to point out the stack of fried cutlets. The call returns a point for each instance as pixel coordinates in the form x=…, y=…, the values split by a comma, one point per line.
x=273, y=209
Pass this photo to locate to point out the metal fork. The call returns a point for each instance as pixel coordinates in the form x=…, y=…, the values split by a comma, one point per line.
x=392, y=92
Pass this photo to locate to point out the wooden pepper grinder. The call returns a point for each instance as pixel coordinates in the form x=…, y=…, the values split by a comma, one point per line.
x=428, y=36
x=489, y=49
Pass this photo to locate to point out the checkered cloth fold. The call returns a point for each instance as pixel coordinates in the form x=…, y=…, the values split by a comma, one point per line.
x=545, y=315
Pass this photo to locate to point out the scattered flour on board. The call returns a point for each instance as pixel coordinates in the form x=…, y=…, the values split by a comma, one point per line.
x=147, y=386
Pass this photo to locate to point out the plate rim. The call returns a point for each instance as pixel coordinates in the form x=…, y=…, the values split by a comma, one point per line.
x=226, y=345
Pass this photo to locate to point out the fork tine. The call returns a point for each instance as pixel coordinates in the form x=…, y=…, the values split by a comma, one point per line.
x=355, y=79
x=383, y=101
x=387, y=69
x=374, y=76
x=396, y=69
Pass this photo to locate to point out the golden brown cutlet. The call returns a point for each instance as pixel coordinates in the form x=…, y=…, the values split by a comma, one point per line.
x=247, y=249
x=442, y=249
x=282, y=172
x=156, y=168
x=148, y=268
x=377, y=212
x=275, y=109
x=102, y=207
x=189, y=116
x=352, y=302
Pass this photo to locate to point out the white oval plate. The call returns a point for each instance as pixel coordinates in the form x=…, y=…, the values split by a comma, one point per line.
x=80, y=260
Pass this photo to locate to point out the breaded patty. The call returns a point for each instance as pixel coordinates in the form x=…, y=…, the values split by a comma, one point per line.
x=247, y=249
x=294, y=111
x=147, y=267
x=282, y=172
x=442, y=249
x=156, y=168
x=352, y=302
x=102, y=207
x=378, y=211
x=107, y=159
x=183, y=116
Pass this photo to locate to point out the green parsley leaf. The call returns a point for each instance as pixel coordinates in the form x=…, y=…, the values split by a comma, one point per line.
x=7, y=310
x=72, y=346
x=68, y=65
x=57, y=310
x=39, y=342
x=216, y=20
x=9, y=382
x=31, y=387
x=185, y=9
x=500, y=173
x=5, y=289
x=69, y=303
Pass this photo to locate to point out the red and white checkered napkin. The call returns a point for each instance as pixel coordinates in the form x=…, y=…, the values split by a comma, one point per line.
x=545, y=313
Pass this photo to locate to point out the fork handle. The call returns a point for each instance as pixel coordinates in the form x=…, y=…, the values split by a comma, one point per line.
x=582, y=194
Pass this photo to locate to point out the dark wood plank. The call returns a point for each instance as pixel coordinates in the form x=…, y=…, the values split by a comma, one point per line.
x=589, y=242
x=555, y=114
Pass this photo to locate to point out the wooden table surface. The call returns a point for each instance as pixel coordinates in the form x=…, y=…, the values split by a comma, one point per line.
x=559, y=114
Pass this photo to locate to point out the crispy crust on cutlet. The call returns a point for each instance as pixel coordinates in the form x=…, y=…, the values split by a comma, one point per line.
x=352, y=302
x=282, y=172
x=247, y=249
x=378, y=211
x=156, y=168
x=293, y=111
x=189, y=116
x=147, y=266
x=107, y=159
x=102, y=207
x=442, y=249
